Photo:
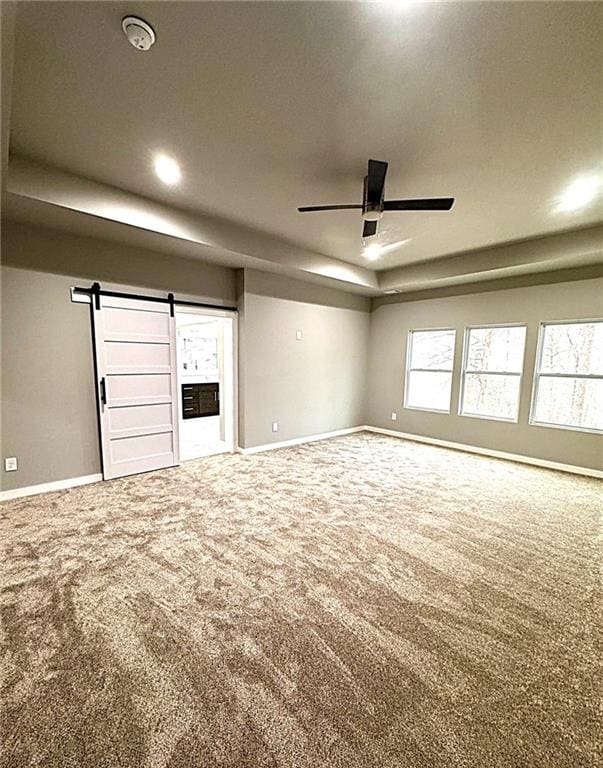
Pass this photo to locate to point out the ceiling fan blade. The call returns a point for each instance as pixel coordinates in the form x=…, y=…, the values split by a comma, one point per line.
x=369, y=229
x=375, y=181
x=309, y=208
x=424, y=204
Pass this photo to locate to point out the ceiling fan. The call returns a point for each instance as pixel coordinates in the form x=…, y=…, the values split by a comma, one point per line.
x=373, y=204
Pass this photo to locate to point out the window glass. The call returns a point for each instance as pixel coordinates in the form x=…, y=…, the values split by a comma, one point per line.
x=493, y=396
x=492, y=372
x=430, y=361
x=572, y=348
x=429, y=390
x=496, y=349
x=569, y=376
x=432, y=349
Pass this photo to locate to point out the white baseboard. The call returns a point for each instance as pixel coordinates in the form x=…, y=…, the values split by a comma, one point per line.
x=488, y=452
x=299, y=440
x=57, y=485
x=72, y=482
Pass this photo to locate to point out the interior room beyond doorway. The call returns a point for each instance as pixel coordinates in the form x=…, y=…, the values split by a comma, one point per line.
x=205, y=353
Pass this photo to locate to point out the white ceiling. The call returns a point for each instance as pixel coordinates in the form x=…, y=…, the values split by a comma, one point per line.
x=271, y=105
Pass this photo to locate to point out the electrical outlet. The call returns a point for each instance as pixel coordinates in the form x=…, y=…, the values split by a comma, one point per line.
x=275, y=426
x=394, y=416
x=299, y=335
x=10, y=464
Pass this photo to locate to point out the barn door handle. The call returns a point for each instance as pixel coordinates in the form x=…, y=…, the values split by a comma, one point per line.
x=103, y=392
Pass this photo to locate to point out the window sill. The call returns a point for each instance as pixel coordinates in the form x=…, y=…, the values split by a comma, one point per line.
x=426, y=410
x=489, y=418
x=591, y=430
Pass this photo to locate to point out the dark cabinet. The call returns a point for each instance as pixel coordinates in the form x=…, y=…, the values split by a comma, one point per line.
x=200, y=400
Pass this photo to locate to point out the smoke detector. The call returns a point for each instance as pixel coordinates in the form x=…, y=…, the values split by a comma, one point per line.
x=140, y=34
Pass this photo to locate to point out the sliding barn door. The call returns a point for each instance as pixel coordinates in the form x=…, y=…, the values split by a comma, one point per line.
x=135, y=344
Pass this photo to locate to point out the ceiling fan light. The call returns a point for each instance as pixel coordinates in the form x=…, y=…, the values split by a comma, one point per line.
x=372, y=215
x=372, y=252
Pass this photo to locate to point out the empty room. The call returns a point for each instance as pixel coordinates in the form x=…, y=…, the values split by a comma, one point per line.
x=301, y=384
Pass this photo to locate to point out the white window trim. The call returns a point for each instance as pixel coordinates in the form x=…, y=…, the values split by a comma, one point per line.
x=537, y=376
x=427, y=370
x=464, y=371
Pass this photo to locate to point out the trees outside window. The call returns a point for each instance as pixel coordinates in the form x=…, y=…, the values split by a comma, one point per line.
x=568, y=385
x=429, y=364
x=492, y=368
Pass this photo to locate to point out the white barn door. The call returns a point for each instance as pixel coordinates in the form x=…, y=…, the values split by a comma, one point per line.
x=135, y=345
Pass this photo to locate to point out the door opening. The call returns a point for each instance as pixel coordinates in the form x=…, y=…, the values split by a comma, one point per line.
x=206, y=357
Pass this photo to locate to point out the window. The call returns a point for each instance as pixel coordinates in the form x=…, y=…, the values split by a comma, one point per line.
x=492, y=367
x=429, y=362
x=568, y=384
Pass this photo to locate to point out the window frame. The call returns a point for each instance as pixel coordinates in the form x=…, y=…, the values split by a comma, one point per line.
x=464, y=371
x=409, y=370
x=538, y=374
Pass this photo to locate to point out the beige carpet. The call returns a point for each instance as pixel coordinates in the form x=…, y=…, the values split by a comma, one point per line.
x=357, y=602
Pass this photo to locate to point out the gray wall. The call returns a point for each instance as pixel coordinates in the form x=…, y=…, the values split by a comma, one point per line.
x=390, y=323
x=48, y=399
x=48, y=404
x=319, y=384
x=310, y=386
x=88, y=258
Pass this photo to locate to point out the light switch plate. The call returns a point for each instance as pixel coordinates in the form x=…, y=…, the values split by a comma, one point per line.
x=394, y=416
x=275, y=426
x=10, y=464
x=299, y=335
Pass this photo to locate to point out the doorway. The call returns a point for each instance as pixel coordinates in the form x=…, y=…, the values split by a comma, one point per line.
x=206, y=375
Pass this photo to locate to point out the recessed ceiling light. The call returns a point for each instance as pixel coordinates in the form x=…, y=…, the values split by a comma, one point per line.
x=167, y=169
x=398, y=6
x=579, y=193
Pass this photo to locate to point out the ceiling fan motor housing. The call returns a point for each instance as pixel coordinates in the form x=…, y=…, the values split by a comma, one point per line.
x=371, y=211
x=374, y=204
x=372, y=214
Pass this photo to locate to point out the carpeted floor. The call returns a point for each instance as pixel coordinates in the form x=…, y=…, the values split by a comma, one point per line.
x=358, y=602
